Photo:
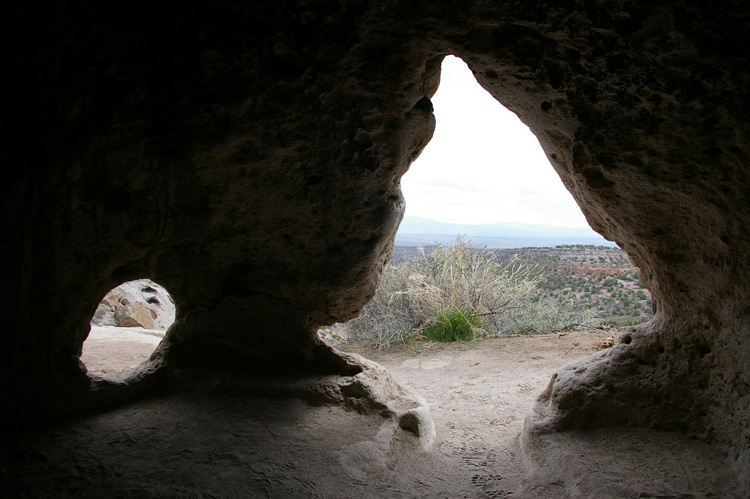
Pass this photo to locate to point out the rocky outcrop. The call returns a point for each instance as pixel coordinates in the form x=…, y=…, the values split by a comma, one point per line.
x=140, y=303
x=247, y=156
x=367, y=388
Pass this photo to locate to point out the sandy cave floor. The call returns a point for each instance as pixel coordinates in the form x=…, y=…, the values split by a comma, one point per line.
x=189, y=445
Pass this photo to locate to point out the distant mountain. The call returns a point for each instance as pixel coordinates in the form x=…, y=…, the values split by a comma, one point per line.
x=416, y=231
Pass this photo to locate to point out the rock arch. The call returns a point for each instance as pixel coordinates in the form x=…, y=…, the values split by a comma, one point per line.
x=248, y=158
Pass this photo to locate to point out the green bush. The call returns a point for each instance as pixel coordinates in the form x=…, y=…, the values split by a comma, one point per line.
x=453, y=324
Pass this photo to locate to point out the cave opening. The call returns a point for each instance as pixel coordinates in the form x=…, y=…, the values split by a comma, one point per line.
x=485, y=179
x=485, y=175
x=484, y=166
x=128, y=325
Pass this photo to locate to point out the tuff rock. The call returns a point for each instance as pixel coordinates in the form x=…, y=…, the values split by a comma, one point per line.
x=139, y=303
x=247, y=156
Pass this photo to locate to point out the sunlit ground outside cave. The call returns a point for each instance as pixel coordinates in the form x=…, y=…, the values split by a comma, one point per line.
x=128, y=325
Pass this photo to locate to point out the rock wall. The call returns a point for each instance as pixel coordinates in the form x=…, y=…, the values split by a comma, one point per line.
x=247, y=156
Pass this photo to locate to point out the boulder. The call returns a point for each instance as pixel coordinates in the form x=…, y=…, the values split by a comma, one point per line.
x=140, y=303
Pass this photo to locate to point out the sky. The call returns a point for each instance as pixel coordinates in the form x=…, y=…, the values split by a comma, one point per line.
x=483, y=165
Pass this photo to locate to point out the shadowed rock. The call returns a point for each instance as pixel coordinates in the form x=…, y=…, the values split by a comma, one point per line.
x=247, y=156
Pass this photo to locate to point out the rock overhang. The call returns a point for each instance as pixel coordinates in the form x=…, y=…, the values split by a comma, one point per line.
x=247, y=157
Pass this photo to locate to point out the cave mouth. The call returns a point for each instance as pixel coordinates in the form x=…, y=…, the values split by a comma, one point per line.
x=483, y=165
x=128, y=325
x=484, y=170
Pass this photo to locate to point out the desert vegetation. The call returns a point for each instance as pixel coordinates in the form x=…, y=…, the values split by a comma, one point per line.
x=600, y=279
x=458, y=292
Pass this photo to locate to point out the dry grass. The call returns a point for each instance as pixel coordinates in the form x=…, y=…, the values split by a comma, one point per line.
x=503, y=296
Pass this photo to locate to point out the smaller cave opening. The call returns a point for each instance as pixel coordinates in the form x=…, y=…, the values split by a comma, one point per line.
x=128, y=325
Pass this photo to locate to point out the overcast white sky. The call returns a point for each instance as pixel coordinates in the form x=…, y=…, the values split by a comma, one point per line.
x=483, y=165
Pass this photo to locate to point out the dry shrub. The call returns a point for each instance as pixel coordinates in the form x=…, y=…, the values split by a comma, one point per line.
x=495, y=298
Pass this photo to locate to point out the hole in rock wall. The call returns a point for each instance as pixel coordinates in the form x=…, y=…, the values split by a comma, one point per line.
x=536, y=266
x=129, y=323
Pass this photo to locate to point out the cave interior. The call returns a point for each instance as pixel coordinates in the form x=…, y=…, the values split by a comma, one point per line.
x=247, y=156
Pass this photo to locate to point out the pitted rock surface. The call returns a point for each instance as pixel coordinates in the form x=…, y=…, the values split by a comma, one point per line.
x=140, y=303
x=247, y=156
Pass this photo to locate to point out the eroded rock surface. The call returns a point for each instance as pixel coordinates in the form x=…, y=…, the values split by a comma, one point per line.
x=140, y=303
x=247, y=156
